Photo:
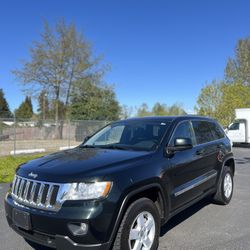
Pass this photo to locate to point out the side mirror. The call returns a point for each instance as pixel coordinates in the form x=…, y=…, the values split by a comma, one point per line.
x=180, y=144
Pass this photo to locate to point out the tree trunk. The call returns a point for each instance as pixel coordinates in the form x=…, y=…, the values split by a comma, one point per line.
x=57, y=114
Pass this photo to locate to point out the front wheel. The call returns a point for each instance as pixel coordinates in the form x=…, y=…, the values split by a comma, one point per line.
x=140, y=227
x=225, y=188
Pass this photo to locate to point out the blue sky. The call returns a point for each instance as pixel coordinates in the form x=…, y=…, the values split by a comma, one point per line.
x=159, y=51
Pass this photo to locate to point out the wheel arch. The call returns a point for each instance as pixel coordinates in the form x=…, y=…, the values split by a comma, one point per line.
x=153, y=192
x=230, y=162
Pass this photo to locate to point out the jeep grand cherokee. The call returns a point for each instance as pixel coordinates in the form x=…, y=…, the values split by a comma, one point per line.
x=118, y=187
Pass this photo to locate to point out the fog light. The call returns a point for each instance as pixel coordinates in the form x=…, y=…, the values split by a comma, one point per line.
x=78, y=228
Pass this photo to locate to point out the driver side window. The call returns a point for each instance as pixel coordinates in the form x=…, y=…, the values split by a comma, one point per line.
x=183, y=130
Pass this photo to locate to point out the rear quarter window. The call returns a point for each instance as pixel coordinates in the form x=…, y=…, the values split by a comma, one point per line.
x=217, y=131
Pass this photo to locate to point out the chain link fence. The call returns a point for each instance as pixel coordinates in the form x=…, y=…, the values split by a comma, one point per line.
x=19, y=136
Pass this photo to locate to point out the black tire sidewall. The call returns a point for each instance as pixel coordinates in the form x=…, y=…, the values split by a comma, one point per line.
x=134, y=210
x=226, y=171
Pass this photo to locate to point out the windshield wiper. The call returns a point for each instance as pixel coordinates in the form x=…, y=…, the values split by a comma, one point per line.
x=88, y=146
x=117, y=147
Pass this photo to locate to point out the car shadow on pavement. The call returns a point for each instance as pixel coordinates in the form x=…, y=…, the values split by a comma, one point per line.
x=242, y=161
x=182, y=216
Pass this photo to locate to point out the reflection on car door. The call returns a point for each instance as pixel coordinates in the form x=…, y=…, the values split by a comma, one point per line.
x=182, y=166
x=192, y=170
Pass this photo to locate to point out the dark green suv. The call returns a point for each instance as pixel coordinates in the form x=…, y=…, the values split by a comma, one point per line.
x=116, y=189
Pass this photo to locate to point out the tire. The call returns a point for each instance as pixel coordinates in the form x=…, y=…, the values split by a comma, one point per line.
x=142, y=222
x=224, y=193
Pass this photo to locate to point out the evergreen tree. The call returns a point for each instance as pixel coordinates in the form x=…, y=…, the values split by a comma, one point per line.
x=4, y=106
x=25, y=110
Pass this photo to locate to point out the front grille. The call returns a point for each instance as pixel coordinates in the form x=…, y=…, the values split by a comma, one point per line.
x=38, y=194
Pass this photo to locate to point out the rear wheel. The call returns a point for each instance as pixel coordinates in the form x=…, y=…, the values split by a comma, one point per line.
x=225, y=188
x=140, y=227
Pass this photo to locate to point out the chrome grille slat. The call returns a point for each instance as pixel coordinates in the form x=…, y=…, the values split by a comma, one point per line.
x=20, y=190
x=26, y=190
x=14, y=183
x=48, y=197
x=40, y=193
x=32, y=192
x=36, y=194
x=16, y=186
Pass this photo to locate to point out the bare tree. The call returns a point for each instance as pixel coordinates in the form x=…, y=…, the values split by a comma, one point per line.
x=61, y=58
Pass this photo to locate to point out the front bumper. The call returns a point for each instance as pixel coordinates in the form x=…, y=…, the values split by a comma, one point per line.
x=50, y=228
x=56, y=241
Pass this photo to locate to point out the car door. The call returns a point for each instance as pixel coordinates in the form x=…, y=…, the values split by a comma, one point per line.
x=182, y=167
x=207, y=150
x=193, y=171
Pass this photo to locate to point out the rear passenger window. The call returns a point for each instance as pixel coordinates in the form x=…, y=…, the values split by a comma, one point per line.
x=202, y=131
x=217, y=131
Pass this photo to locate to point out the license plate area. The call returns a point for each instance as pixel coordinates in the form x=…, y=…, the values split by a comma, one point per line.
x=21, y=219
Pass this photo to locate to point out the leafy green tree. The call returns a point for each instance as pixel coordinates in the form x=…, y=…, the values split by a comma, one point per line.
x=238, y=68
x=25, y=110
x=209, y=99
x=143, y=110
x=110, y=104
x=160, y=109
x=219, y=100
x=126, y=112
x=235, y=95
x=94, y=102
x=4, y=106
x=176, y=109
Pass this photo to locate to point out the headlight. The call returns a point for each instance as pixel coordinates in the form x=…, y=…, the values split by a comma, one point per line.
x=86, y=191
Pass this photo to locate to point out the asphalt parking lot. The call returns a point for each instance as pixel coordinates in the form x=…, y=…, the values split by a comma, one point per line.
x=202, y=226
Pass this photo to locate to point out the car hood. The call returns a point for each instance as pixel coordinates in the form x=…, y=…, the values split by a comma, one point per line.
x=79, y=164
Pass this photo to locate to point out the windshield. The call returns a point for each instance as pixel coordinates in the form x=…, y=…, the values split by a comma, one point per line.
x=139, y=135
